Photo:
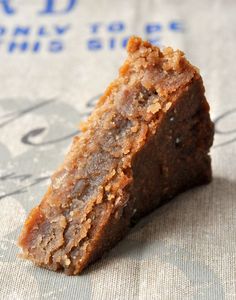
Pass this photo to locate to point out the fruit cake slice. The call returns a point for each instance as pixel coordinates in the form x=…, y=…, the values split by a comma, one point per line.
x=147, y=140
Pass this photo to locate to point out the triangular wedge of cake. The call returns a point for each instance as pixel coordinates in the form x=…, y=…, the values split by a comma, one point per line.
x=147, y=140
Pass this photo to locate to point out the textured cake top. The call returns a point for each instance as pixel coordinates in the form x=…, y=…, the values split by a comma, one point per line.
x=156, y=66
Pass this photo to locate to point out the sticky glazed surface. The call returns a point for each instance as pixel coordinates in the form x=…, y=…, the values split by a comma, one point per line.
x=93, y=186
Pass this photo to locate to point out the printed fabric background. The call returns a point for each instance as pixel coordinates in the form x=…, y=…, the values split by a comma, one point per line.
x=56, y=58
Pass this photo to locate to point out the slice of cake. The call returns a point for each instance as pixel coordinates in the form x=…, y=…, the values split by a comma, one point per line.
x=146, y=141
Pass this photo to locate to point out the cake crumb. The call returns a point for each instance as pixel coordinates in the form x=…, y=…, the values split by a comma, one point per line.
x=167, y=106
x=154, y=108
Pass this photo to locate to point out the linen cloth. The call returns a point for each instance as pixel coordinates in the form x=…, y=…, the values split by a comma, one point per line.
x=56, y=58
